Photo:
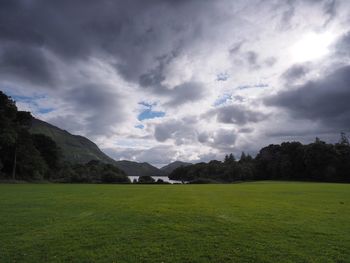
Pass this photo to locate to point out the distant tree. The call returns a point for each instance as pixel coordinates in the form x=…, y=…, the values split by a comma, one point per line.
x=229, y=159
x=243, y=157
x=183, y=173
x=320, y=161
x=226, y=160
x=160, y=181
x=249, y=158
x=343, y=158
x=344, y=139
x=113, y=177
x=318, y=140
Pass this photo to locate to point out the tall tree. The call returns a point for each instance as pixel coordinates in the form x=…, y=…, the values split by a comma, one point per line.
x=48, y=149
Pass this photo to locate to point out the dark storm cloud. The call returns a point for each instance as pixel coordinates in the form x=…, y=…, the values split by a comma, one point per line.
x=184, y=93
x=330, y=9
x=154, y=77
x=288, y=7
x=236, y=48
x=236, y=114
x=180, y=94
x=134, y=33
x=159, y=155
x=46, y=23
x=92, y=103
x=342, y=46
x=138, y=38
x=185, y=131
x=222, y=139
x=287, y=15
x=269, y=62
x=246, y=130
x=325, y=100
x=14, y=33
x=252, y=58
x=25, y=64
x=166, y=130
x=180, y=131
x=295, y=72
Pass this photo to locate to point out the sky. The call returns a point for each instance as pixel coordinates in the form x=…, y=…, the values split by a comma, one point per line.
x=163, y=80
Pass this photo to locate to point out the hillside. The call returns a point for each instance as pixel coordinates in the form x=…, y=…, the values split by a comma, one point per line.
x=136, y=169
x=78, y=149
x=167, y=169
x=75, y=148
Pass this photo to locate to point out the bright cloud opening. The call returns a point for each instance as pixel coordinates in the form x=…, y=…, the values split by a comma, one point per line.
x=312, y=46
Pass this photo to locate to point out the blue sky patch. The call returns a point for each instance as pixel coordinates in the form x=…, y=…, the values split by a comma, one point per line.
x=260, y=85
x=148, y=113
x=222, y=76
x=140, y=126
x=45, y=110
x=33, y=102
x=222, y=99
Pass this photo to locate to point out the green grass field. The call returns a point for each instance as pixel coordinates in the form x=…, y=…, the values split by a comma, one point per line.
x=248, y=222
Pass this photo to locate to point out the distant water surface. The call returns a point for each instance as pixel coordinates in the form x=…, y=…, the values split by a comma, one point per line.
x=164, y=178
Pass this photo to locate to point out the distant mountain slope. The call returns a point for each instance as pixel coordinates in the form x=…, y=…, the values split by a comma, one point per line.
x=136, y=169
x=172, y=166
x=78, y=149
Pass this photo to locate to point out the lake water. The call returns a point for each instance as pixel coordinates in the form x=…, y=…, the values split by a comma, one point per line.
x=164, y=178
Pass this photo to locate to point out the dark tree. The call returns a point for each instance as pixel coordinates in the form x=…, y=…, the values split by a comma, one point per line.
x=146, y=179
x=113, y=177
x=344, y=139
x=48, y=149
x=243, y=157
x=30, y=164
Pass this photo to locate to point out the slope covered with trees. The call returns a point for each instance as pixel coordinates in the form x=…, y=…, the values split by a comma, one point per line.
x=75, y=148
x=36, y=156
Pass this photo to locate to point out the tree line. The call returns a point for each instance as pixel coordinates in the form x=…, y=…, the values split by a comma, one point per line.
x=317, y=161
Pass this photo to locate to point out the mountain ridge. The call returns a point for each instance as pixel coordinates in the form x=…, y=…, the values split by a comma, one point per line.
x=79, y=149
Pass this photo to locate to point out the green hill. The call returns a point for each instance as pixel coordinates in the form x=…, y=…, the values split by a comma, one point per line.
x=75, y=148
x=136, y=169
x=78, y=149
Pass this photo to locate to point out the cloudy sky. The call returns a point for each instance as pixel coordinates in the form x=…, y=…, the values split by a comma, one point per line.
x=165, y=80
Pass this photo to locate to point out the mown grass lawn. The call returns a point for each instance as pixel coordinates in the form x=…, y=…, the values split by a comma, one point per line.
x=248, y=222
